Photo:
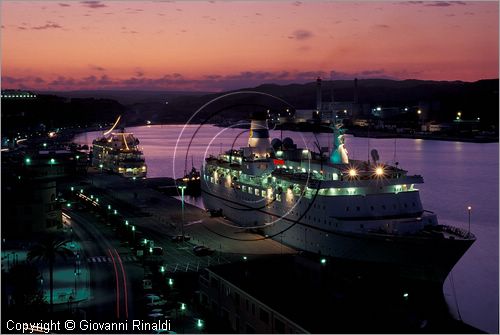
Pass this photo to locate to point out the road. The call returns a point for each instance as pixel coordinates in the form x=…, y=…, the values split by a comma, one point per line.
x=111, y=270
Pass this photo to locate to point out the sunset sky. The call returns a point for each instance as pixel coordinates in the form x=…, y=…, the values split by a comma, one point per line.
x=219, y=45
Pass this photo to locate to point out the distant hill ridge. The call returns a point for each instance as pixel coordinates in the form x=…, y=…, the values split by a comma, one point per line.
x=446, y=98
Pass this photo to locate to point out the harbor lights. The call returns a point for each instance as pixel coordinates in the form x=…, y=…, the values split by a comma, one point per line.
x=199, y=323
x=379, y=171
x=126, y=223
x=469, y=209
x=170, y=282
x=183, y=306
x=353, y=173
x=323, y=261
x=182, y=188
x=27, y=160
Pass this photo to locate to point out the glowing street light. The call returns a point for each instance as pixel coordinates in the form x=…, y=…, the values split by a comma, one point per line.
x=182, y=188
x=199, y=323
x=469, y=209
x=323, y=261
x=27, y=160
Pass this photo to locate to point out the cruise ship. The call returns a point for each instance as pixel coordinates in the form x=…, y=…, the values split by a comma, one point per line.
x=119, y=152
x=329, y=204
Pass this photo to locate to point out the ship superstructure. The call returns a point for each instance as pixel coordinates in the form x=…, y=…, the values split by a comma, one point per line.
x=329, y=204
x=119, y=152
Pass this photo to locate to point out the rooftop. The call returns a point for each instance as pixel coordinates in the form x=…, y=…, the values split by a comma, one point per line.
x=334, y=296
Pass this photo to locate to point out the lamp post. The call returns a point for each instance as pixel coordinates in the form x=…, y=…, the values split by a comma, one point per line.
x=469, y=209
x=182, y=188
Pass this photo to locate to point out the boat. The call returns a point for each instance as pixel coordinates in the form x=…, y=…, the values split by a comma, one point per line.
x=119, y=152
x=328, y=204
x=191, y=180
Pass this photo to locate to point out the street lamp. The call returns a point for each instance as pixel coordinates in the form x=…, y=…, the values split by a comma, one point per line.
x=469, y=209
x=182, y=188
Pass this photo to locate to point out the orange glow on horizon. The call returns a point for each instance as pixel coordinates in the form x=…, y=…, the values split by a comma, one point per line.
x=221, y=45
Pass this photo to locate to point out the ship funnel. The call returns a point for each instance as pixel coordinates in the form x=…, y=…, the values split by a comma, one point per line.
x=339, y=153
x=259, y=135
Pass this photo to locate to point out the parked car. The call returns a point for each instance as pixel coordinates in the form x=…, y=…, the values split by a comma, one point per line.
x=215, y=212
x=158, y=251
x=201, y=250
x=180, y=238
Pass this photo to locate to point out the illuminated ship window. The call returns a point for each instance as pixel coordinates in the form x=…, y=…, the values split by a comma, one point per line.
x=250, y=190
x=244, y=188
x=256, y=191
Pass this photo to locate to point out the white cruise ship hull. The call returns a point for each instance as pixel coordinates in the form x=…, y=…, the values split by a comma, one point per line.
x=309, y=226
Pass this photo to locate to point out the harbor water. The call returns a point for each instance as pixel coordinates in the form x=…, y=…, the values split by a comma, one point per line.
x=456, y=175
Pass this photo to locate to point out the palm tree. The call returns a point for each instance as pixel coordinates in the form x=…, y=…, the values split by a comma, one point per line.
x=47, y=251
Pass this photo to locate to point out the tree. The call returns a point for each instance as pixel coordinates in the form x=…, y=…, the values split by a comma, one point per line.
x=47, y=251
x=26, y=300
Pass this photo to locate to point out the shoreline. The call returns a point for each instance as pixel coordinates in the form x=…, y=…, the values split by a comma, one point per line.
x=355, y=132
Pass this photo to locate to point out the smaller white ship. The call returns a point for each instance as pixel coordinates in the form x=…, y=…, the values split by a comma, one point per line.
x=119, y=152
